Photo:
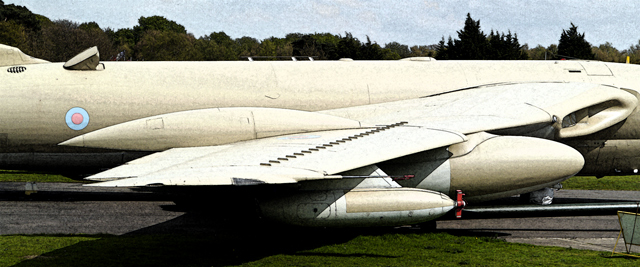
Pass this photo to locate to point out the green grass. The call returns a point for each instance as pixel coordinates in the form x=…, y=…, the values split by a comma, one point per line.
x=630, y=183
x=14, y=249
x=30, y=176
x=309, y=249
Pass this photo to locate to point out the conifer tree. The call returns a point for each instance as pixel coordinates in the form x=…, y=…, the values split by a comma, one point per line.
x=472, y=42
x=573, y=45
x=475, y=45
x=441, y=50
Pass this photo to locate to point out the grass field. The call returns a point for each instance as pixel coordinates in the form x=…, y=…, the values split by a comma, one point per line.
x=322, y=248
x=27, y=176
x=631, y=183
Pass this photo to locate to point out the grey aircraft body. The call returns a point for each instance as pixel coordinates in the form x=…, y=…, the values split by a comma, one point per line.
x=356, y=143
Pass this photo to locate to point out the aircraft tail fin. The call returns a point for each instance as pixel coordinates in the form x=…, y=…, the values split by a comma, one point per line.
x=11, y=56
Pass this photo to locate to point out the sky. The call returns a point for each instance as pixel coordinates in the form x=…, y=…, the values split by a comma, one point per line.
x=410, y=22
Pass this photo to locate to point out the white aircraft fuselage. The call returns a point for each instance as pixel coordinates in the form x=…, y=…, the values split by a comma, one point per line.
x=34, y=102
x=89, y=120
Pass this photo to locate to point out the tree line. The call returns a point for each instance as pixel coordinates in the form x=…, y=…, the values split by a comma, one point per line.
x=158, y=38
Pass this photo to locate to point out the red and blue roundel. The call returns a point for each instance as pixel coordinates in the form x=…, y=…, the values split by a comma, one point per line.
x=77, y=118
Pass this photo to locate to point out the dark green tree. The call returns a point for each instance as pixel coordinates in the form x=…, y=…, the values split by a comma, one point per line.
x=387, y=54
x=20, y=15
x=247, y=46
x=497, y=43
x=292, y=37
x=159, y=23
x=268, y=48
x=320, y=45
x=156, y=23
x=17, y=26
x=606, y=52
x=371, y=51
x=167, y=46
x=553, y=50
x=305, y=45
x=472, y=43
x=505, y=47
x=123, y=39
x=446, y=50
x=634, y=53
x=217, y=46
x=222, y=38
x=44, y=21
x=13, y=34
x=283, y=46
x=573, y=45
x=89, y=26
x=424, y=50
x=351, y=47
x=402, y=50
x=451, y=53
x=348, y=47
x=538, y=53
x=442, y=51
x=64, y=39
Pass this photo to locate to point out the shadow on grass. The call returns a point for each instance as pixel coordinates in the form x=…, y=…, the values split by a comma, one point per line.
x=356, y=255
x=196, y=239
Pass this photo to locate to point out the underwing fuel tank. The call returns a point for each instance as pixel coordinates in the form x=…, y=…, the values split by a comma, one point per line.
x=489, y=166
x=358, y=207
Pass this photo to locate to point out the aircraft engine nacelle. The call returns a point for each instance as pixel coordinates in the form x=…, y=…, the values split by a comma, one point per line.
x=489, y=166
x=358, y=207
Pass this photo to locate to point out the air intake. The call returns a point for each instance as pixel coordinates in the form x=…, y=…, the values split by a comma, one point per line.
x=593, y=111
x=16, y=69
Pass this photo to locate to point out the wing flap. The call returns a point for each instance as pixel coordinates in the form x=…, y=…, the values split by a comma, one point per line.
x=216, y=175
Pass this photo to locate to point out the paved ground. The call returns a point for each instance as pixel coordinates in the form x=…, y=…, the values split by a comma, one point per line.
x=72, y=209
x=584, y=232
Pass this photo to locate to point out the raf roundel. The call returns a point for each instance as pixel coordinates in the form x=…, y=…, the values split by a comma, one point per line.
x=77, y=118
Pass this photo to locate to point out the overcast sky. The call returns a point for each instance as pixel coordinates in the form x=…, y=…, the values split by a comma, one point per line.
x=411, y=22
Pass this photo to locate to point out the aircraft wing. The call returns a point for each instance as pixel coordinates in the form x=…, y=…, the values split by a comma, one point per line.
x=397, y=129
x=283, y=159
